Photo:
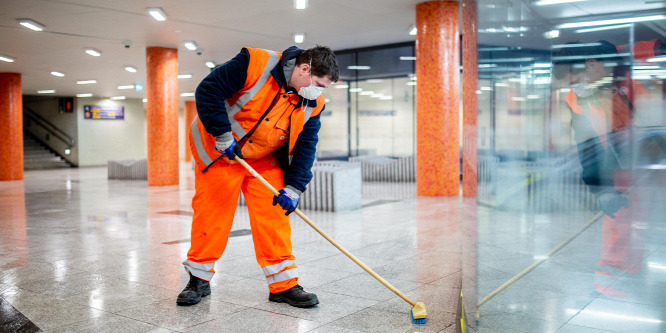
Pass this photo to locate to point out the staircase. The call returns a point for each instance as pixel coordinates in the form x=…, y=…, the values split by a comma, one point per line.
x=38, y=157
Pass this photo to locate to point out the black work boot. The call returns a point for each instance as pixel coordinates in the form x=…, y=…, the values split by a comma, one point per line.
x=194, y=291
x=295, y=296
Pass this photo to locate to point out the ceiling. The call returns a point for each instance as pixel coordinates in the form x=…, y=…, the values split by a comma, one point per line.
x=222, y=27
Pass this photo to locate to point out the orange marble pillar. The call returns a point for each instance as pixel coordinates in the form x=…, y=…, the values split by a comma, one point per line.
x=11, y=127
x=470, y=106
x=189, y=113
x=162, y=115
x=437, y=99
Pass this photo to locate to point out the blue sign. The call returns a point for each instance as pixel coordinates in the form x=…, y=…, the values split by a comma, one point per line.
x=103, y=112
x=377, y=113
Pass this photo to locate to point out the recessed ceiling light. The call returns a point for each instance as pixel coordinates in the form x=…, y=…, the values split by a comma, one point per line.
x=210, y=64
x=84, y=95
x=58, y=74
x=184, y=76
x=130, y=69
x=86, y=82
x=190, y=45
x=299, y=38
x=300, y=4
x=145, y=100
x=116, y=98
x=189, y=94
x=30, y=24
x=129, y=86
x=6, y=58
x=49, y=91
x=412, y=30
x=612, y=21
x=157, y=13
x=93, y=52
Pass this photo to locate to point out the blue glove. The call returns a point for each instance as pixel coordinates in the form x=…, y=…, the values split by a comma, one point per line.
x=227, y=145
x=288, y=199
x=611, y=201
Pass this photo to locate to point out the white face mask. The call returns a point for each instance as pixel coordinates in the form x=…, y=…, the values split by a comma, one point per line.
x=311, y=91
x=583, y=88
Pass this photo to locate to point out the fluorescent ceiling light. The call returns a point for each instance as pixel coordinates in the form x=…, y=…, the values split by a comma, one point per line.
x=501, y=84
x=551, y=34
x=486, y=88
x=210, y=64
x=130, y=69
x=610, y=27
x=411, y=83
x=524, y=59
x=518, y=99
x=478, y=92
x=58, y=74
x=572, y=45
x=86, y=82
x=32, y=25
x=504, y=29
x=367, y=92
x=145, y=100
x=645, y=67
x=355, y=90
x=533, y=97
x=299, y=38
x=542, y=65
x=129, y=86
x=300, y=4
x=376, y=95
x=412, y=30
x=592, y=56
x=541, y=71
x=374, y=81
x=157, y=13
x=612, y=21
x=116, y=98
x=554, y=2
x=487, y=49
x=487, y=65
x=189, y=94
x=359, y=68
x=84, y=95
x=184, y=76
x=190, y=45
x=93, y=52
x=384, y=98
x=657, y=59
x=49, y=91
x=407, y=58
x=341, y=86
x=6, y=58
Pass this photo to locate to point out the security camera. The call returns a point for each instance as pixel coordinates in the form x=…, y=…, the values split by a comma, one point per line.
x=127, y=43
x=199, y=51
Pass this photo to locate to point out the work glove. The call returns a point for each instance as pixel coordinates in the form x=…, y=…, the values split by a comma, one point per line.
x=227, y=145
x=611, y=201
x=288, y=199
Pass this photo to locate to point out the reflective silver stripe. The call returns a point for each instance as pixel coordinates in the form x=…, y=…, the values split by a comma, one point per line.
x=308, y=113
x=198, y=144
x=284, y=276
x=272, y=269
x=273, y=60
x=199, y=270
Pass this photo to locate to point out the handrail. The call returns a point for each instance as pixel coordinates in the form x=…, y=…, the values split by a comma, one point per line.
x=56, y=132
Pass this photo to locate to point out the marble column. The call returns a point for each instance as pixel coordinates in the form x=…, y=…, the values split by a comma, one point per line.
x=162, y=115
x=437, y=99
x=470, y=106
x=189, y=113
x=11, y=127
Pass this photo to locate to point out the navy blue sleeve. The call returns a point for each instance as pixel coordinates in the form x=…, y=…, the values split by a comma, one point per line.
x=299, y=173
x=219, y=85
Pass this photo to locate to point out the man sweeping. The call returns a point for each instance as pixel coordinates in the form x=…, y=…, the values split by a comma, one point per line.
x=262, y=106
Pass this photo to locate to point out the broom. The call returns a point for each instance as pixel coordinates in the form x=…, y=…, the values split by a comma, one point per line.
x=418, y=311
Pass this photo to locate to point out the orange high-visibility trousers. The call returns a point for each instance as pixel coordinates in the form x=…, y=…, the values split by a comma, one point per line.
x=214, y=204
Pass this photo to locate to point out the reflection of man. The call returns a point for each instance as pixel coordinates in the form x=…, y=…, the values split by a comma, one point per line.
x=601, y=101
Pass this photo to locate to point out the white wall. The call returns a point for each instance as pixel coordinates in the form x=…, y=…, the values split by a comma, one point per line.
x=101, y=140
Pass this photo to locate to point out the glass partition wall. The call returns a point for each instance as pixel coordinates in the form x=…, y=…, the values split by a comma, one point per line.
x=571, y=222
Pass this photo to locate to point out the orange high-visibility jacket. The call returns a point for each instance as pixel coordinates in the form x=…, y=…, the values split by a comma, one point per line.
x=261, y=113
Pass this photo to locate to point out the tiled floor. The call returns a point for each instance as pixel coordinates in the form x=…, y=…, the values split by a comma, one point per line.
x=79, y=253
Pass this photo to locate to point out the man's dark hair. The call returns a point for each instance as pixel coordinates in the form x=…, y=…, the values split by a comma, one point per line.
x=324, y=62
x=571, y=58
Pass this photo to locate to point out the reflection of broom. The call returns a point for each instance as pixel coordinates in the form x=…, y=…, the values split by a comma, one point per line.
x=594, y=219
x=418, y=308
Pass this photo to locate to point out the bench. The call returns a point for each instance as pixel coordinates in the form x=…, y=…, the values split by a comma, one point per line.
x=128, y=169
x=387, y=169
